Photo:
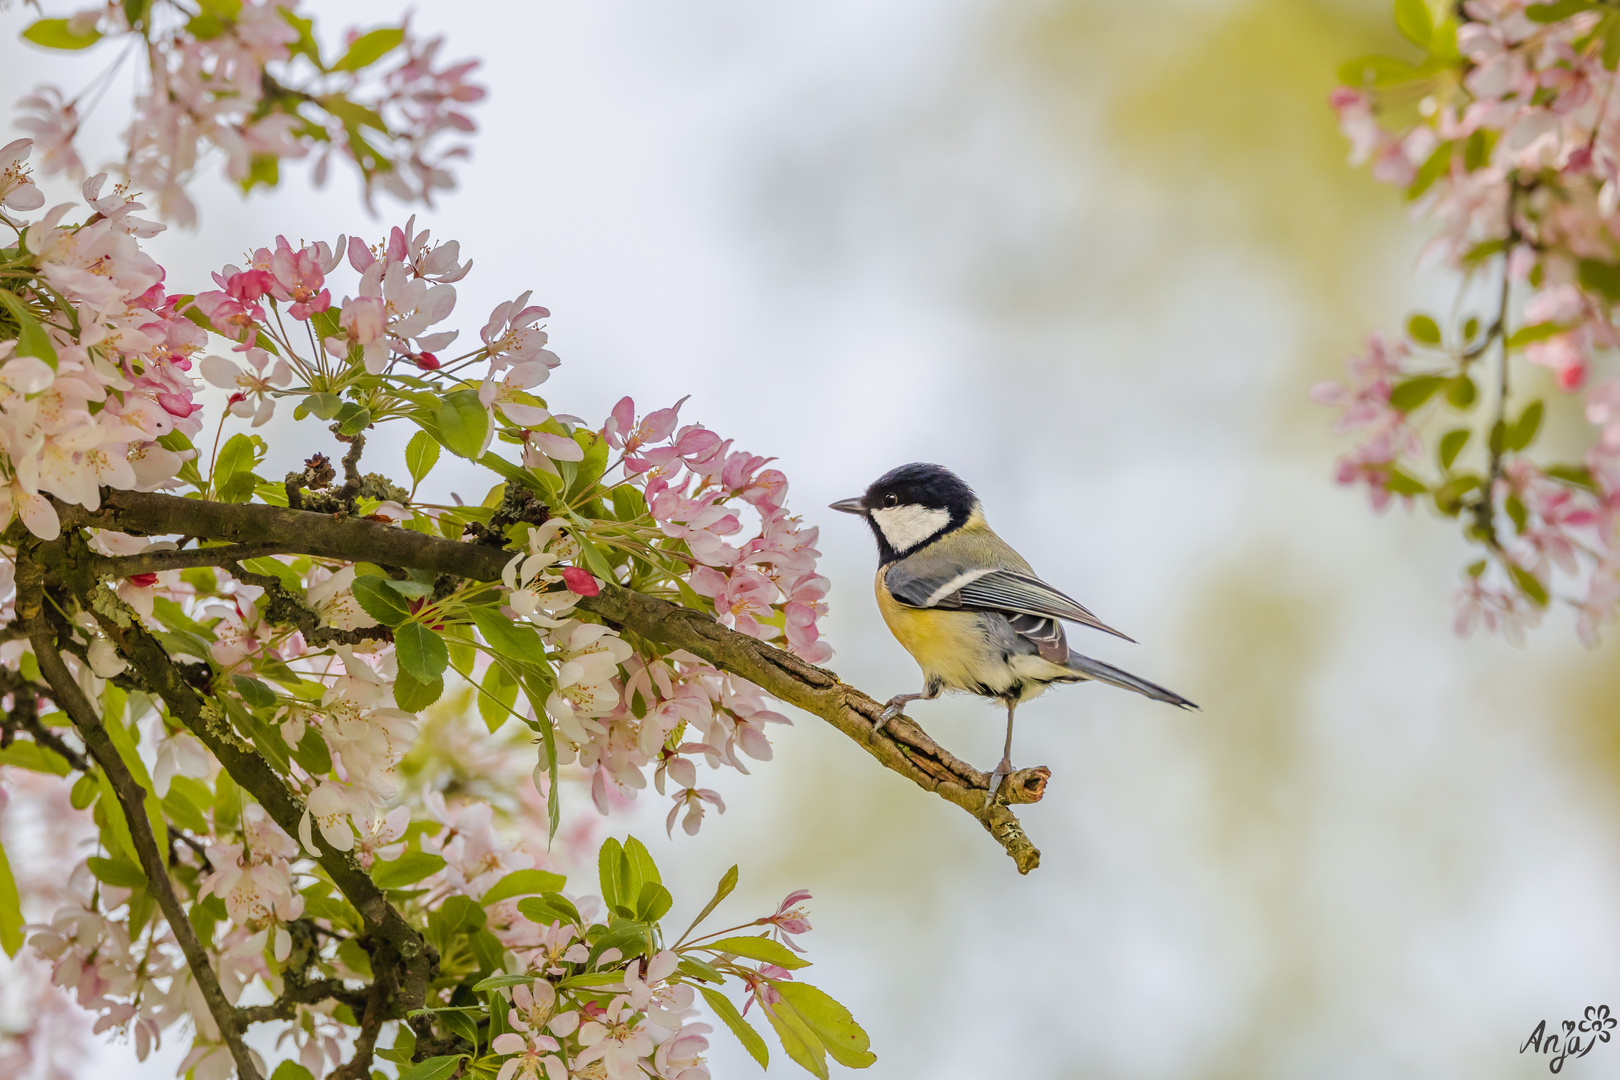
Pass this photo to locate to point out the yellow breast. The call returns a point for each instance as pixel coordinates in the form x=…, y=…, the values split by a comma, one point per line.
x=949, y=646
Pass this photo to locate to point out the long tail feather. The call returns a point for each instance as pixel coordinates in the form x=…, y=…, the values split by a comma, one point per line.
x=1096, y=669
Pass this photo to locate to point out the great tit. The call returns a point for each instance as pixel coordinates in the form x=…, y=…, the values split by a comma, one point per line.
x=967, y=606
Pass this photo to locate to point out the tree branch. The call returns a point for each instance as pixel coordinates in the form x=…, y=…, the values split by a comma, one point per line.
x=132, y=798
x=902, y=747
x=152, y=562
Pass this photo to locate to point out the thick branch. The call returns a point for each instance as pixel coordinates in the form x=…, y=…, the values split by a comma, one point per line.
x=132, y=798
x=152, y=562
x=256, y=777
x=902, y=747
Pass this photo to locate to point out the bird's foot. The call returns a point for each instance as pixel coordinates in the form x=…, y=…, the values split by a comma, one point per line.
x=894, y=707
x=997, y=778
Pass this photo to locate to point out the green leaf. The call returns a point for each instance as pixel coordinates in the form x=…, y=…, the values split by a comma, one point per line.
x=1451, y=444
x=1611, y=41
x=507, y=638
x=1517, y=513
x=693, y=968
x=1557, y=12
x=117, y=872
x=1423, y=330
x=642, y=867
x=1461, y=392
x=35, y=758
x=653, y=902
x=32, y=340
x=725, y=1010
x=1577, y=475
x=135, y=11
x=1523, y=431
x=421, y=454
x=462, y=1025
x=1541, y=331
x=55, y=34
x=421, y=652
x=1533, y=589
x=499, y=982
x=1412, y=393
x=1377, y=72
x=379, y=601
x=728, y=881
x=1431, y=170
x=1599, y=277
x=610, y=871
x=352, y=419
x=324, y=406
x=759, y=948
x=254, y=692
x=463, y=423
x=370, y=47
x=523, y=883
x=1415, y=22
x=832, y=1023
x=550, y=908
x=291, y=1070
x=434, y=1068
x=413, y=695
x=1404, y=484
x=408, y=869
x=797, y=1038
x=498, y=696
x=11, y=918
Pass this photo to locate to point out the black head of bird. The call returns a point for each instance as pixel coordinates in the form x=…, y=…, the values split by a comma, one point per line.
x=968, y=607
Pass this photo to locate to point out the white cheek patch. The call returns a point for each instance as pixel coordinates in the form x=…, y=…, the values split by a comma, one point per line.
x=904, y=527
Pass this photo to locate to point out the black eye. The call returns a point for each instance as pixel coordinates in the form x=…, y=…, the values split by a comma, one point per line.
x=891, y=499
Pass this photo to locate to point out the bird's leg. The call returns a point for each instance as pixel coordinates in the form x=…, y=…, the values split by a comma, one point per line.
x=1005, y=768
x=897, y=705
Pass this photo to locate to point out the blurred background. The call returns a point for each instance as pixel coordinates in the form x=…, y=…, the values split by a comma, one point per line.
x=1091, y=256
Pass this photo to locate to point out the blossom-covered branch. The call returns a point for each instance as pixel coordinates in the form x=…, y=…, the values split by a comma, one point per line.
x=247, y=82
x=1505, y=132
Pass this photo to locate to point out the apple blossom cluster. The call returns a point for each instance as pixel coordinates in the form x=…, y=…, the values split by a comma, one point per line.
x=94, y=370
x=247, y=79
x=1504, y=134
x=420, y=725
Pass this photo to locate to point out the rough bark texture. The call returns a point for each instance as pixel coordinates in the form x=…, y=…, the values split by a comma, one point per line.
x=902, y=747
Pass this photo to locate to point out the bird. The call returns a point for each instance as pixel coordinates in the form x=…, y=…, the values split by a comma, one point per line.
x=967, y=607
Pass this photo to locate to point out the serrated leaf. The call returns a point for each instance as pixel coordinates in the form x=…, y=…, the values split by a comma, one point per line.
x=32, y=339
x=653, y=902
x=433, y=1068
x=421, y=454
x=523, y=883
x=56, y=34
x=751, y=1040
x=413, y=695
x=463, y=423
x=421, y=652
x=500, y=982
x=408, y=869
x=370, y=47
x=116, y=872
x=798, y=1040
x=254, y=692
x=507, y=638
x=844, y=1039
x=610, y=872
x=497, y=696
x=549, y=908
x=379, y=601
x=1423, y=330
x=352, y=419
x=1451, y=444
x=764, y=949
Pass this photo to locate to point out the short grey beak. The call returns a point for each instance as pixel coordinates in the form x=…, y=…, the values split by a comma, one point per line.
x=856, y=505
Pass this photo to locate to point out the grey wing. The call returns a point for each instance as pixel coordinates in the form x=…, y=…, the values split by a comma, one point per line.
x=1022, y=598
